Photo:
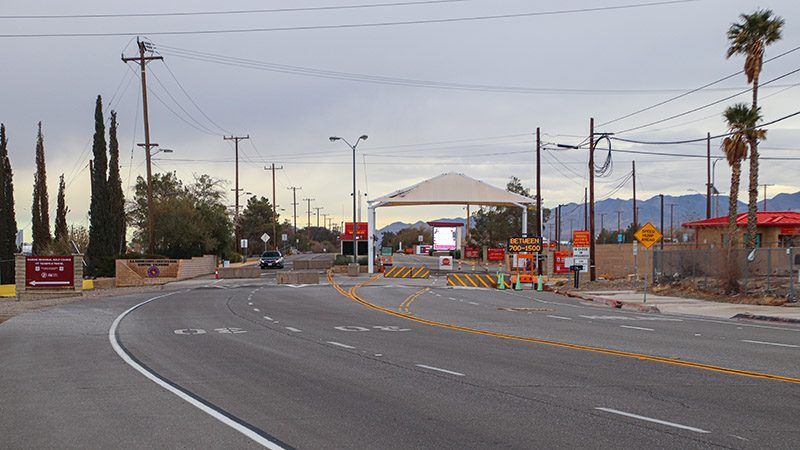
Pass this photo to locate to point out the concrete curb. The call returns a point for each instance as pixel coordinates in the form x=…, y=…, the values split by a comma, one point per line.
x=614, y=303
x=749, y=316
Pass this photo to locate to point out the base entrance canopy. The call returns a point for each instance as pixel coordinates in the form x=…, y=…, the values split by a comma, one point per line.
x=446, y=189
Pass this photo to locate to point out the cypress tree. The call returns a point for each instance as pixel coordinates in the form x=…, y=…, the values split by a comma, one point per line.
x=116, y=197
x=40, y=226
x=8, y=220
x=100, y=244
x=62, y=233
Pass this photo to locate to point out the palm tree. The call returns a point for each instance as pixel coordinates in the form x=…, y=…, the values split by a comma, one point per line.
x=741, y=120
x=750, y=37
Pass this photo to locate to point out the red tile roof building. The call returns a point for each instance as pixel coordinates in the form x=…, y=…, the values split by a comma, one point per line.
x=775, y=229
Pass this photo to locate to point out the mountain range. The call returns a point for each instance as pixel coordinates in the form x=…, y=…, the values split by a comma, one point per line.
x=684, y=208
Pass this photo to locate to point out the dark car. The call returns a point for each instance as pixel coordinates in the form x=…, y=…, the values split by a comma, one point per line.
x=272, y=258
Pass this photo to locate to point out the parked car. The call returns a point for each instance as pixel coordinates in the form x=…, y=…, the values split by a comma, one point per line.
x=272, y=258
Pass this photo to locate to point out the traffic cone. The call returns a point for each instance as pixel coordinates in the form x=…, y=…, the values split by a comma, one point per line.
x=517, y=286
x=539, y=283
x=501, y=284
x=216, y=274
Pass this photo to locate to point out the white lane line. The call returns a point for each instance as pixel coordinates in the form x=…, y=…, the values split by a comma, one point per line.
x=559, y=317
x=250, y=304
x=440, y=370
x=473, y=303
x=268, y=318
x=236, y=425
x=771, y=343
x=293, y=329
x=256, y=310
x=451, y=298
x=636, y=328
x=339, y=344
x=650, y=419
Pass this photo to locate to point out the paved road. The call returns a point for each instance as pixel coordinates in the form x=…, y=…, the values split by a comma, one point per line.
x=312, y=368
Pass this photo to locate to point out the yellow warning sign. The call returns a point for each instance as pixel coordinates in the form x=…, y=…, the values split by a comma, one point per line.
x=647, y=235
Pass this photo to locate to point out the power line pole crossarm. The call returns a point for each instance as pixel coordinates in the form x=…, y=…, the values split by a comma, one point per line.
x=236, y=140
x=274, y=207
x=142, y=60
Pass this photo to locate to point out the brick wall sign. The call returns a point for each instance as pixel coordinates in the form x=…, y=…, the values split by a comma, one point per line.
x=49, y=272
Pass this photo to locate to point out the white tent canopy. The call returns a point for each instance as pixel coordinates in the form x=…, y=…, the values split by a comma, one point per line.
x=446, y=189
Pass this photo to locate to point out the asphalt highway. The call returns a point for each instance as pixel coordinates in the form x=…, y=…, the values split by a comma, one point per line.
x=223, y=364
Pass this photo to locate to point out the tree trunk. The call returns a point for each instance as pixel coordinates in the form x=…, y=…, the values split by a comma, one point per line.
x=752, y=202
x=736, y=173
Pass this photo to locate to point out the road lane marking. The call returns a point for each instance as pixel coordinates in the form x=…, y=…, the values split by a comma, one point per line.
x=256, y=310
x=440, y=370
x=558, y=317
x=636, y=328
x=771, y=343
x=410, y=299
x=339, y=344
x=294, y=329
x=650, y=419
x=268, y=318
x=255, y=434
x=250, y=304
x=473, y=303
x=353, y=295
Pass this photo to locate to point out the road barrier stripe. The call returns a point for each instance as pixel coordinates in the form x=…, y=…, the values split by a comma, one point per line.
x=476, y=280
x=416, y=275
x=480, y=278
x=353, y=295
x=407, y=272
x=391, y=271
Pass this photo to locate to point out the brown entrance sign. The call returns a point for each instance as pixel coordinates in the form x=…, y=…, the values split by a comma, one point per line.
x=49, y=272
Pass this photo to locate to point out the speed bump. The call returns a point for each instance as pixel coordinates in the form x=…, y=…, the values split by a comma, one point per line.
x=485, y=281
x=407, y=272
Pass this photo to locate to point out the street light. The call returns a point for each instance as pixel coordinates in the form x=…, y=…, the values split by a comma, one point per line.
x=363, y=137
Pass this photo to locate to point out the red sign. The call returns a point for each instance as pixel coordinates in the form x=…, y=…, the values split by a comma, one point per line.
x=580, y=238
x=472, y=252
x=559, y=265
x=48, y=272
x=790, y=230
x=348, y=231
x=495, y=254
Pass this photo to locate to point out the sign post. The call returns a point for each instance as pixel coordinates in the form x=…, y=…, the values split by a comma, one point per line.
x=647, y=235
x=265, y=238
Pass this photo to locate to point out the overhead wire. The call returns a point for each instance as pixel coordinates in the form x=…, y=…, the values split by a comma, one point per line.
x=349, y=25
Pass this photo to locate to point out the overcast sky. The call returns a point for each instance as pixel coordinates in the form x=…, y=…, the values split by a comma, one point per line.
x=603, y=64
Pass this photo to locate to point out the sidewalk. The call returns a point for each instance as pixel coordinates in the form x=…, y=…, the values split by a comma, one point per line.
x=677, y=305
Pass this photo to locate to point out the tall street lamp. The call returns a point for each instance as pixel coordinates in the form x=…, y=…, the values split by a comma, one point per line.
x=363, y=137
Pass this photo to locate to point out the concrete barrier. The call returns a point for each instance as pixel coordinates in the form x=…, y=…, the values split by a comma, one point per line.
x=311, y=264
x=239, y=272
x=293, y=277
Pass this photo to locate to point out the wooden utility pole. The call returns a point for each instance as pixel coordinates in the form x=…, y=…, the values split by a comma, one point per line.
x=592, y=255
x=143, y=60
x=671, y=235
x=765, y=195
x=661, y=228
x=274, y=207
x=236, y=140
x=308, y=227
x=539, y=215
x=635, y=209
x=325, y=220
x=619, y=225
x=708, y=176
x=317, y=208
x=602, y=222
x=294, y=207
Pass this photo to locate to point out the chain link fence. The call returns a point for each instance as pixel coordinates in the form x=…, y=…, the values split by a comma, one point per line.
x=763, y=271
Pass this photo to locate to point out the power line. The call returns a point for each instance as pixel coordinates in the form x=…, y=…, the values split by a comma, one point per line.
x=354, y=25
x=664, y=102
x=193, y=102
x=229, y=12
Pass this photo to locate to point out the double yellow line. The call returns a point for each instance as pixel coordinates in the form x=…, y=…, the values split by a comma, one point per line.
x=410, y=299
x=353, y=295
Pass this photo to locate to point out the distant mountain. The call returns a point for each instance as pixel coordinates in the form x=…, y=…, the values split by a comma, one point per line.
x=685, y=208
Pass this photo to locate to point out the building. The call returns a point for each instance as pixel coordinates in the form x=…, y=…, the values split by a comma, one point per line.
x=774, y=229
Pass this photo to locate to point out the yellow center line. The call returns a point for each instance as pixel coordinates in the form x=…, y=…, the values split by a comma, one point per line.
x=353, y=295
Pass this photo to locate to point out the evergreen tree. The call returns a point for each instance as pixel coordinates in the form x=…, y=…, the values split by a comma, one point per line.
x=8, y=221
x=100, y=226
x=62, y=233
x=40, y=210
x=116, y=197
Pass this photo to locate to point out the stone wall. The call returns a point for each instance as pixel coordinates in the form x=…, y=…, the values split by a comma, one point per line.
x=134, y=272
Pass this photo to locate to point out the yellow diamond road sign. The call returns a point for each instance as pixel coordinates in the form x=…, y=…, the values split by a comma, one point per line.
x=647, y=235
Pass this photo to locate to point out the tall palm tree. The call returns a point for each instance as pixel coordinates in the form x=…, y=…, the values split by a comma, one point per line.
x=741, y=120
x=750, y=37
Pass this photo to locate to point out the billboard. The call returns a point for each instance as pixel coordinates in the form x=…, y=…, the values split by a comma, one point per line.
x=444, y=238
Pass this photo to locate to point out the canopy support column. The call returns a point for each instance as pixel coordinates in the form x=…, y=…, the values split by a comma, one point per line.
x=524, y=221
x=371, y=239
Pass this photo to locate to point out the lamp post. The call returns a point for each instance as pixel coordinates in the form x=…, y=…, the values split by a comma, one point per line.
x=363, y=137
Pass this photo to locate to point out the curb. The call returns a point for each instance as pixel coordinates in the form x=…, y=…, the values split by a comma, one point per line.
x=764, y=318
x=619, y=304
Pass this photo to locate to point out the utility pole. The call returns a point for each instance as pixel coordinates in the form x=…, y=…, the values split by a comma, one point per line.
x=325, y=220
x=274, y=206
x=765, y=194
x=671, y=234
x=708, y=176
x=318, y=208
x=558, y=227
x=619, y=225
x=661, y=228
x=635, y=209
x=308, y=228
x=602, y=222
x=294, y=207
x=236, y=140
x=143, y=60
x=592, y=252
x=538, y=185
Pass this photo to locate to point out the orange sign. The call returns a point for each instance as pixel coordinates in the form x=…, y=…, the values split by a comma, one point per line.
x=580, y=238
x=647, y=235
